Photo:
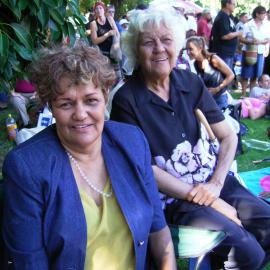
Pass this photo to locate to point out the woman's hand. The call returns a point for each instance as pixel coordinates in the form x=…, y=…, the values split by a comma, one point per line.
x=112, y=33
x=213, y=90
x=226, y=210
x=204, y=194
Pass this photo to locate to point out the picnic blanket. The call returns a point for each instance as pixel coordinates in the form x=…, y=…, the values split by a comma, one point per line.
x=252, y=179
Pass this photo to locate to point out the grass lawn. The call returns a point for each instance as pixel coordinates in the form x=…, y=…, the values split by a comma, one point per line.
x=257, y=130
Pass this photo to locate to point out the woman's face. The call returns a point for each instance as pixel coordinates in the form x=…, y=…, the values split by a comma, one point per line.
x=99, y=11
x=79, y=114
x=261, y=16
x=156, y=51
x=194, y=51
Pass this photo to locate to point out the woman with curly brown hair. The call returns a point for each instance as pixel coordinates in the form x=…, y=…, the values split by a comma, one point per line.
x=77, y=193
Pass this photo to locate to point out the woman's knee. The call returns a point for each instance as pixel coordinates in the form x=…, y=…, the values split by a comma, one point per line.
x=245, y=252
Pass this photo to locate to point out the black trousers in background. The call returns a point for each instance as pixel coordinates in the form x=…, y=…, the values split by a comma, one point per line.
x=266, y=69
x=246, y=248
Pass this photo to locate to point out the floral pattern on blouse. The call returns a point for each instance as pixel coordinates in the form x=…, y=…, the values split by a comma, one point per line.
x=191, y=165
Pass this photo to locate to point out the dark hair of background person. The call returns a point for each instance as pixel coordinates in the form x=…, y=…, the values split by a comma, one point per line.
x=199, y=42
x=225, y=2
x=142, y=6
x=259, y=10
x=242, y=14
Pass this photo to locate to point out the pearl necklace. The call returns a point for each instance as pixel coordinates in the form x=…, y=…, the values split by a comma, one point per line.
x=84, y=177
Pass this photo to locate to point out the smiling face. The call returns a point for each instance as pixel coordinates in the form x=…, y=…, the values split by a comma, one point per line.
x=79, y=115
x=194, y=51
x=156, y=51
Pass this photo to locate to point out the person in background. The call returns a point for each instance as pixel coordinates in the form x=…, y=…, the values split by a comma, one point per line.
x=141, y=6
x=103, y=29
x=263, y=89
x=77, y=193
x=21, y=97
x=266, y=68
x=243, y=18
x=255, y=105
x=224, y=37
x=124, y=24
x=212, y=69
x=256, y=32
x=192, y=174
x=111, y=12
x=203, y=27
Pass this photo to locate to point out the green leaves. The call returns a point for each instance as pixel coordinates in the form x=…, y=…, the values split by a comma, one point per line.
x=22, y=51
x=4, y=47
x=56, y=16
x=43, y=15
x=23, y=30
x=23, y=35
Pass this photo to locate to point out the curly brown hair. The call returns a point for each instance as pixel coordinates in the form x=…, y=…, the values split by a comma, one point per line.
x=80, y=64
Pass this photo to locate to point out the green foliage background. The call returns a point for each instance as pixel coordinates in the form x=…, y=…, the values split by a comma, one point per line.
x=24, y=24
x=23, y=30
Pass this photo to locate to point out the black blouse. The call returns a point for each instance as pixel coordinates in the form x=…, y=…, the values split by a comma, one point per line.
x=166, y=124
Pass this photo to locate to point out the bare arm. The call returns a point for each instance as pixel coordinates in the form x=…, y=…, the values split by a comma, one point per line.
x=175, y=188
x=220, y=65
x=232, y=35
x=161, y=247
x=254, y=41
x=228, y=142
x=113, y=25
x=170, y=185
x=95, y=39
x=206, y=194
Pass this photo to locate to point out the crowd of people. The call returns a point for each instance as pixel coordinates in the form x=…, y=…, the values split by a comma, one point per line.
x=86, y=193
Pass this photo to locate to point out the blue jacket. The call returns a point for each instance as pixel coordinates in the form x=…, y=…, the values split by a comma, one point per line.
x=44, y=223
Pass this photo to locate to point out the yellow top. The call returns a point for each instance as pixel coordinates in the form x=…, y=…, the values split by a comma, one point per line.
x=109, y=240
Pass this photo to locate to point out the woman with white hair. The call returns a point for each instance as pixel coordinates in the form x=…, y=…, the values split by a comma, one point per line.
x=190, y=170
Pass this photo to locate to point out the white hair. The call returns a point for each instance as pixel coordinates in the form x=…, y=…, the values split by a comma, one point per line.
x=155, y=15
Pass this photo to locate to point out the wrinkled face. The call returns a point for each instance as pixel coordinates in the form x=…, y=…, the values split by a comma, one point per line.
x=79, y=114
x=194, y=52
x=156, y=51
x=99, y=11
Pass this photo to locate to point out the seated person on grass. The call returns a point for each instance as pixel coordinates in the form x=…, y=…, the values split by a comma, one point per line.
x=254, y=106
x=21, y=97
